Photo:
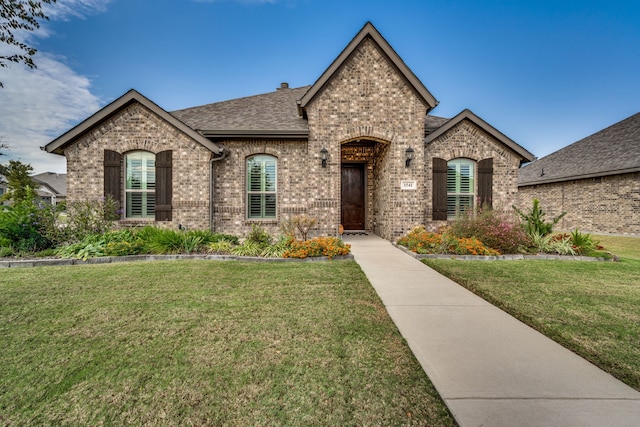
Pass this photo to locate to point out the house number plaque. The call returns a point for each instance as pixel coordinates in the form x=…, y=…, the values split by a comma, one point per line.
x=408, y=185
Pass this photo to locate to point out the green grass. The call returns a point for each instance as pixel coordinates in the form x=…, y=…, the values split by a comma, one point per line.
x=592, y=308
x=205, y=343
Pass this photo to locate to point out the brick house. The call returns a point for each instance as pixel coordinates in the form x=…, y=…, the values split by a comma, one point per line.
x=596, y=181
x=359, y=148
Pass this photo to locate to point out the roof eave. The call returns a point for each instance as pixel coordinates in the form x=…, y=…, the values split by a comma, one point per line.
x=472, y=117
x=58, y=145
x=578, y=177
x=370, y=31
x=256, y=133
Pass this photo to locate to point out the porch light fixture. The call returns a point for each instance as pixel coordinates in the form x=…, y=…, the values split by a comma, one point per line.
x=410, y=153
x=324, y=155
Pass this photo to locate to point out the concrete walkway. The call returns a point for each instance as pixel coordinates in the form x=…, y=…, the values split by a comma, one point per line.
x=490, y=369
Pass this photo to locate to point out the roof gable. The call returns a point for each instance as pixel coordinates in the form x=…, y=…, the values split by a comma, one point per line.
x=469, y=115
x=611, y=151
x=369, y=31
x=58, y=145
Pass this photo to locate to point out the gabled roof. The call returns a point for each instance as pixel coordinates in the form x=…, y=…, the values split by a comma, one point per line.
x=58, y=145
x=56, y=182
x=272, y=114
x=611, y=151
x=469, y=115
x=369, y=31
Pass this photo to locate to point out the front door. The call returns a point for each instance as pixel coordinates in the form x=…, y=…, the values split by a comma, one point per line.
x=353, y=200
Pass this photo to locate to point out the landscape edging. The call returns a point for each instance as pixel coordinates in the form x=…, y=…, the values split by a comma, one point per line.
x=139, y=258
x=512, y=257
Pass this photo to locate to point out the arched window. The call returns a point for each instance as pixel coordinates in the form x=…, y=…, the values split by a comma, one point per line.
x=261, y=187
x=460, y=187
x=140, y=184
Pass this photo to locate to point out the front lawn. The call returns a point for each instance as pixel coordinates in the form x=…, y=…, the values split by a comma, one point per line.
x=205, y=343
x=592, y=308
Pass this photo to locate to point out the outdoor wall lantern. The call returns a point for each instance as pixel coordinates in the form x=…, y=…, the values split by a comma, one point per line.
x=409, y=152
x=324, y=155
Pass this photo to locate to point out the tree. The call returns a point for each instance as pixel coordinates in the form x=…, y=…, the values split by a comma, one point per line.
x=17, y=16
x=19, y=181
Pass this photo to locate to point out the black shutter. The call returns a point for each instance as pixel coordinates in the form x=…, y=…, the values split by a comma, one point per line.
x=439, y=196
x=485, y=182
x=113, y=176
x=164, y=187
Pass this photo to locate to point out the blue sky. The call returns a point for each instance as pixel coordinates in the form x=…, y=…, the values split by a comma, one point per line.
x=545, y=73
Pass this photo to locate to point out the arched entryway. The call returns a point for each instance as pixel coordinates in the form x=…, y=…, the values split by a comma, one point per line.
x=359, y=182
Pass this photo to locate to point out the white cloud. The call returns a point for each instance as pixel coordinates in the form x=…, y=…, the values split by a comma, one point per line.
x=38, y=105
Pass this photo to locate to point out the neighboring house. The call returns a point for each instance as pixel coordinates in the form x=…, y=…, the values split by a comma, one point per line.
x=52, y=187
x=358, y=148
x=596, y=181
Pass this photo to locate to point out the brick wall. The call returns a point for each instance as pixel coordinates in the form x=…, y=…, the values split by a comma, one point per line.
x=466, y=140
x=368, y=100
x=295, y=182
x=609, y=205
x=136, y=128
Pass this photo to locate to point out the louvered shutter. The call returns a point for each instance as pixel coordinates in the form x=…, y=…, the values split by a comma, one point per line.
x=164, y=188
x=113, y=175
x=439, y=194
x=485, y=182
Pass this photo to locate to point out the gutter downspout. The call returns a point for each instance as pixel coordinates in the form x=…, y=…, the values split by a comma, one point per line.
x=212, y=188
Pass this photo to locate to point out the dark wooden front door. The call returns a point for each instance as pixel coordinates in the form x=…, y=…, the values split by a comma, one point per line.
x=353, y=200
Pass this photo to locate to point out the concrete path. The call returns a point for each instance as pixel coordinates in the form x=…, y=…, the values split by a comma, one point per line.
x=490, y=369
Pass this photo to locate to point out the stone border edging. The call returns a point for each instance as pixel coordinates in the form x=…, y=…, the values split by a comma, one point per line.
x=501, y=257
x=139, y=258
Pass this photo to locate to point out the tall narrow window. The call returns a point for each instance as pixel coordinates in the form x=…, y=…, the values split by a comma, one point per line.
x=460, y=187
x=140, y=184
x=261, y=187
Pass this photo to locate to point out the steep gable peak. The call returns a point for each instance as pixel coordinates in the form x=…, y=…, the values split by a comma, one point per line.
x=369, y=32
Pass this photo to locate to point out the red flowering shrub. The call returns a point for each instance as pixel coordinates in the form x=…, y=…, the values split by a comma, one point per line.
x=496, y=230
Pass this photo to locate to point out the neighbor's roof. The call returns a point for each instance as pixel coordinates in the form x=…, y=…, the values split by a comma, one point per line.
x=370, y=32
x=611, y=151
x=58, y=145
x=270, y=114
x=57, y=182
x=469, y=115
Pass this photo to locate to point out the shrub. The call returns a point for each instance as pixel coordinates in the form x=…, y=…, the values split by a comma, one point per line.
x=496, y=230
x=248, y=248
x=423, y=242
x=220, y=247
x=316, y=247
x=534, y=221
x=165, y=241
x=298, y=224
x=20, y=225
x=259, y=235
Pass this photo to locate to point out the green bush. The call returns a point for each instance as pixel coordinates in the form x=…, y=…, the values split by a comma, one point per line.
x=534, y=221
x=20, y=225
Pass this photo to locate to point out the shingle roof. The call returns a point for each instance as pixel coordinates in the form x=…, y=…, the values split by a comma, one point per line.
x=611, y=151
x=269, y=113
x=55, y=181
